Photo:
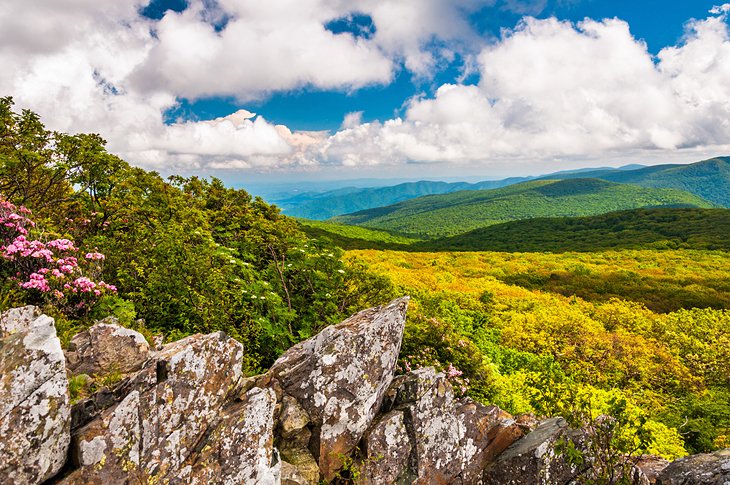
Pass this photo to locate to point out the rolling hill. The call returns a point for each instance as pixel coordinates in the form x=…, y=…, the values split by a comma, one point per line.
x=632, y=229
x=456, y=213
x=709, y=179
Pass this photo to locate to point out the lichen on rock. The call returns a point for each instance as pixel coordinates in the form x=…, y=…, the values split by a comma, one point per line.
x=340, y=377
x=34, y=401
x=107, y=347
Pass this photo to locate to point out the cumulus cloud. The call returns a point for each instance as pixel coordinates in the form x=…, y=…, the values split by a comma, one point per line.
x=405, y=27
x=551, y=88
x=98, y=65
x=264, y=47
x=546, y=89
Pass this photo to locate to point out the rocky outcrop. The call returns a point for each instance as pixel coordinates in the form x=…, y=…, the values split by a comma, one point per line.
x=183, y=398
x=702, y=469
x=651, y=466
x=426, y=436
x=340, y=377
x=532, y=460
x=107, y=347
x=330, y=410
x=34, y=401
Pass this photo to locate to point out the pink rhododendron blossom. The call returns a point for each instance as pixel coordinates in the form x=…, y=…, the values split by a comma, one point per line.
x=95, y=256
x=47, y=267
x=62, y=245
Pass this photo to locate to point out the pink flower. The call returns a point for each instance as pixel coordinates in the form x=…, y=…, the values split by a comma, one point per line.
x=452, y=372
x=36, y=282
x=95, y=256
x=84, y=284
x=62, y=245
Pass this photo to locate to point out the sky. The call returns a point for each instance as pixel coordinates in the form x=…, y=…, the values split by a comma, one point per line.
x=297, y=90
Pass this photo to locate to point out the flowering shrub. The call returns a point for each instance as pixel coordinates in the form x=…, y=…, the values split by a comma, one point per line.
x=53, y=271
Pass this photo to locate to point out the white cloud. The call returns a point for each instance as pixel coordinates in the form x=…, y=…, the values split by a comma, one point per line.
x=553, y=89
x=405, y=27
x=547, y=89
x=99, y=66
x=720, y=9
x=265, y=47
x=352, y=120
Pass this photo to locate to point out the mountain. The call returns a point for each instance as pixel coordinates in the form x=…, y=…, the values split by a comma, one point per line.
x=632, y=229
x=319, y=206
x=709, y=179
x=450, y=214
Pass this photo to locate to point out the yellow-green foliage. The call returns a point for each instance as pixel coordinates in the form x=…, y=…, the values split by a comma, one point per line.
x=663, y=364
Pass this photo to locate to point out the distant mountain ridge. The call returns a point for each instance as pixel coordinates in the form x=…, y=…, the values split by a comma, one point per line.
x=320, y=206
x=709, y=179
x=450, y=214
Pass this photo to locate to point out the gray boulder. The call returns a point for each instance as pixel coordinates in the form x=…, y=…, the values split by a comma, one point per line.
x=428, y=436
x=532, y=460
x=340, y=377
x=174, y=405
x=107, y=347
x=702, y=469
x=34, y=402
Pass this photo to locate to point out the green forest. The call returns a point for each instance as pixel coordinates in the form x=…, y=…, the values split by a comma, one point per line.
x=632, y=229
x=451, y=214
x=641, y=332
x=709, y=179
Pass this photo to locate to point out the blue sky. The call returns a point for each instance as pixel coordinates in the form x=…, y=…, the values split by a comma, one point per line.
x=283, y=90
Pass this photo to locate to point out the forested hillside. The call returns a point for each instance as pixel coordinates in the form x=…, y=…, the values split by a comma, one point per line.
x=355, y=237
x=633, y=229
x=451, y=214
x=709, y=179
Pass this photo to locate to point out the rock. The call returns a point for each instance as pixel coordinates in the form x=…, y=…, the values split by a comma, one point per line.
x=387, y=446
x=34, y=402
x=702, y=469
x=651, y=466
x=340, y=376
x=106, y=347
x=240, y=448
x=532, y=459
x=18, y=319
x=451, y=441
x=527, y=422
x=290, y=475
x=176, y=398
x=293, y=418
x=298, y=467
